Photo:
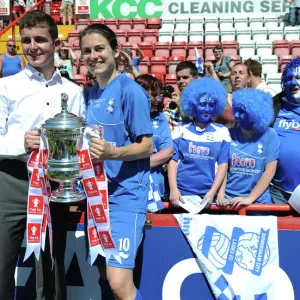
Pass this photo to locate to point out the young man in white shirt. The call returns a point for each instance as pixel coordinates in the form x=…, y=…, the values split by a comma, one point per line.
x=27, y=100
x=255, y=70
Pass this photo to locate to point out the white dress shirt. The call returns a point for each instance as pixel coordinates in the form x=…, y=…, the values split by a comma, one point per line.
x=27, y=100
x=264, y=87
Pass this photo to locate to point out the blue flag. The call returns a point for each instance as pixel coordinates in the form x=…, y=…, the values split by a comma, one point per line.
x=199, y=62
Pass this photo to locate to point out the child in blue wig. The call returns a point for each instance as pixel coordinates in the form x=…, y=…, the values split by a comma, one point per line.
x=254, y=150
x=200, y=144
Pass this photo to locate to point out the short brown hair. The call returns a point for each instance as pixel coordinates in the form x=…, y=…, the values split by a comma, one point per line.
x=218, y=47
x=254, y=67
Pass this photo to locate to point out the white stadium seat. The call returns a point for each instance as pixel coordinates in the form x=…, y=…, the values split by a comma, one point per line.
x=291, y=33
x=264, y=48
x=269, y=64
x=259, y=35
x=227, y=35
x=273, y=78
x=247, y=49
x=243, y=35
x=196, y=36
x=275, y=34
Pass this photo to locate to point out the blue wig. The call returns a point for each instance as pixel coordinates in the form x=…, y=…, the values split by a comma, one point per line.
x=191, y=95
x=293, y=64
x=258, y=105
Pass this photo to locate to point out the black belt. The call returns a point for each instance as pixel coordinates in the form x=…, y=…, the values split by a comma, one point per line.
x=14, y=168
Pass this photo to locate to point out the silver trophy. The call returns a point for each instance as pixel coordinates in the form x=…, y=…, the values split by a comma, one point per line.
x=64, y=132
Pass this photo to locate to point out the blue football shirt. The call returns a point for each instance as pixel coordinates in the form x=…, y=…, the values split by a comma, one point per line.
x=287, y=126
x=247, y=162
x=197, y=153
x=161, y=140
x=122, y=109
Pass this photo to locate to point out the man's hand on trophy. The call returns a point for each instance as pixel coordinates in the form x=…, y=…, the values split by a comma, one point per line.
x=100, y=149
x=31, y=140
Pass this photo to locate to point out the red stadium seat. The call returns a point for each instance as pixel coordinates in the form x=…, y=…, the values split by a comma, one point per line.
x=121, y=36
x=97, y=21
x=82, y=69
x=281, y=47
x=154, y=23
x=284, y=60
x=236, y=58
x=147, y=48
x=210, y=58
x=150, y=35
x=191, y=48
x=178, y=49
x=81, y=79
x=192, y=58
x=82, y=23
x=112, y=23
x=170, y=79
x=159, y=76
x=173, y=62
x=125, y=24
x=158, y=64
x=144, y=66
x=134, y=36
x=73, y=35
x=209, y=47
x=295, y=47
x=162, y=49
x=139, y=23
x=230, y=48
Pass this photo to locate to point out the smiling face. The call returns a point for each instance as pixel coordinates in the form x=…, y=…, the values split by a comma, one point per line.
x=38, y=47
x=292, y=85
x=242, y=118
x=97, y=54
x=239, y=77
x=204, y=109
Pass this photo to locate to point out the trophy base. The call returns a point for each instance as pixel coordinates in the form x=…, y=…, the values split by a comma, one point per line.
x=66, y=196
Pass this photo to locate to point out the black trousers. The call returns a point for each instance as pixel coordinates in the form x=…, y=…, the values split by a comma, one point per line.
x=50, y=282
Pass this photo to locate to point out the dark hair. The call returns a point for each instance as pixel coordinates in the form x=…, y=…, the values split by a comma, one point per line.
x=254, y=67
x=237, y=64
x=187, y=65
x=218, y=47
x=102, y=30
x=149, y=82
x=37, y=18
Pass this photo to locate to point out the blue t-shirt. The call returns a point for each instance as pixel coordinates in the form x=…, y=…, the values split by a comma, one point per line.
x=197, y=154
x=122, y=109
x=247, y=162
x=287, y=125
x=161, y=140
x=136, y=61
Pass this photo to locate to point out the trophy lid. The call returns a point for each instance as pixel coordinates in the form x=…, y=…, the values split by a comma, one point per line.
x=64, y=120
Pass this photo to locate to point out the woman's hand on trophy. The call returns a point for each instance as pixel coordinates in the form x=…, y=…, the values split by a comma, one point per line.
x=100, y=149
x=31, y=140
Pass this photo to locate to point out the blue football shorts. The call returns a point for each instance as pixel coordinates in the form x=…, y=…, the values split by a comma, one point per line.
x=127, y=233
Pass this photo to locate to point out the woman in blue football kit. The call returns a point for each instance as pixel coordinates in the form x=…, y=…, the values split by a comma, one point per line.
x=201, y=145
x=254, y=150
x=162, y=140
x=121, y=108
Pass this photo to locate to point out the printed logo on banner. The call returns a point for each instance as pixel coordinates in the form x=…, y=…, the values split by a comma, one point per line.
x=90, y=186
x=106, y=240
x=104, y=198
x=47, y=212
x=43, y=185
x=84, y=158
x=93, y=236
x=33, y=159
x=249, y=250
x=99, y=171
x=98, y=213
x=35, y=205
x=33, y=235
x=35, y=181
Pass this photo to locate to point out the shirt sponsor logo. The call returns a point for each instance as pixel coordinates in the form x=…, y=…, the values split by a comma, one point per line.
x=198, y=149
x=242, y=161
x=294, y=125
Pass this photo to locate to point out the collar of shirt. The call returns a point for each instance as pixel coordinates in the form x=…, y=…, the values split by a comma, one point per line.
x=32, y=73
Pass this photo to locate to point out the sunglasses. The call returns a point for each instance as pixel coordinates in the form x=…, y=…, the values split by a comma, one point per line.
x=12, y=46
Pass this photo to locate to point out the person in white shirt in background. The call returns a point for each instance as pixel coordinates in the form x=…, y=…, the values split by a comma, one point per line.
x=27, y=100
x=256, y=82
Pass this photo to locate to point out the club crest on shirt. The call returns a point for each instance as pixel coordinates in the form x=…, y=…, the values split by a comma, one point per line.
x=260, y=148
x=155, y=124
x=111, y=104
